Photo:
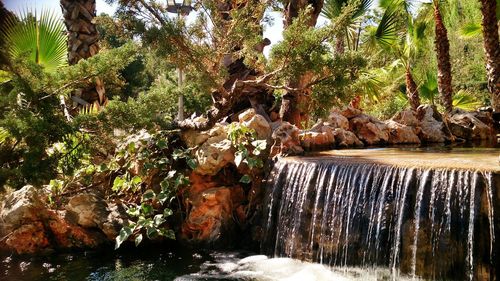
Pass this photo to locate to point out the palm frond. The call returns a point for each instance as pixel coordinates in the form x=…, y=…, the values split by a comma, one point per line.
x=465, y=100
x=41, y=39
x=387, y=33
x=470, y=30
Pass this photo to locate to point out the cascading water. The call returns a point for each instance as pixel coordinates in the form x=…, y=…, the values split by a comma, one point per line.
x=430, y=222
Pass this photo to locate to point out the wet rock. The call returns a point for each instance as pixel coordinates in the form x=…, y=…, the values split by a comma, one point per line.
x=251, y=119
x=210, y=216
x=216, y=152
x=346, y=138
x=401, y=134
x=467, y=126
x=286, y=140
x=369, y=130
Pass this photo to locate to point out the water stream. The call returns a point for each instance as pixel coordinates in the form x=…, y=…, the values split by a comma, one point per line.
x=413, y=219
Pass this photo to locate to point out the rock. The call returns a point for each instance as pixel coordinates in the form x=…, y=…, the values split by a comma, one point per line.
x=337, y=120
x=67, y=235
x=467, y=126
x=116, y=219
x=369, y=130
x=194, y=138
x=431, y=124
x=210, y=216
x=87, y=209
x=401, y=134
x=28, y=239
x=286, y=140
x=319, y=137
x=30, y=226
x=215, y=153
x=406, y=117
x=20, y=207
x=251, y=119
x=351, y=112
x=346, y=138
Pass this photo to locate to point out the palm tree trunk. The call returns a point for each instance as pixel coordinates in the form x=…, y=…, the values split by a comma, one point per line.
x=443, y=58
x=412, y=91
x=340, y=45
x=82, y=40
x=294, y=105
x=492, y=50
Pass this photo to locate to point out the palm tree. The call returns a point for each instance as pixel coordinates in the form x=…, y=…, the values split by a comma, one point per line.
x=491, y=49
x=351, y=33
x=403, y=40
x=442, y=45
x=83, y=41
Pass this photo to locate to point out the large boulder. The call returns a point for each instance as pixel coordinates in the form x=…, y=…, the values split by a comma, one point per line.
x=467, y=126
x=210, y=217
x=369, y=130
x=251, y=119
x=286, y=140
x=432, y=127
x=29, y=226
x=406, y=117
x=87, y=210
x=337, y=120
x=216, y=152
x=21, y=207
x=401, y=134
x=346, y=138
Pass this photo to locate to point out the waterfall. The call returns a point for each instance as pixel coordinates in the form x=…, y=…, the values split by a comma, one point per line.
x=424, y=222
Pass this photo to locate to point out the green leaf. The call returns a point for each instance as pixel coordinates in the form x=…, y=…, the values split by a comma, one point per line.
x=158, y=220
x=138, y=240
x=238, y=158
x=171, y=174
x=259, y=145
x=125, y=233
x=245, y=179
x=103, y=167
x=167, y=212
x=162, y=197
x=118, y=183
x=165, y=184
x=169, y=233
x=162, y=144
x=136, y=180
x=192, y=163
x=133, y=212
x=147, y=209
x=148, y=195
x=151, y=231
x=131, y=148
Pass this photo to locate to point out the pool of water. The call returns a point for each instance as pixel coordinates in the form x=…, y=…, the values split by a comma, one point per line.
x=155, y=264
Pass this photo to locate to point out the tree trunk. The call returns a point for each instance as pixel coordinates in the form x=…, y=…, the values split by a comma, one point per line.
x=412, y=91
x=443, y=59
x=340, y=45
x=295, y=103
x=83, y=41
x=492, y=50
